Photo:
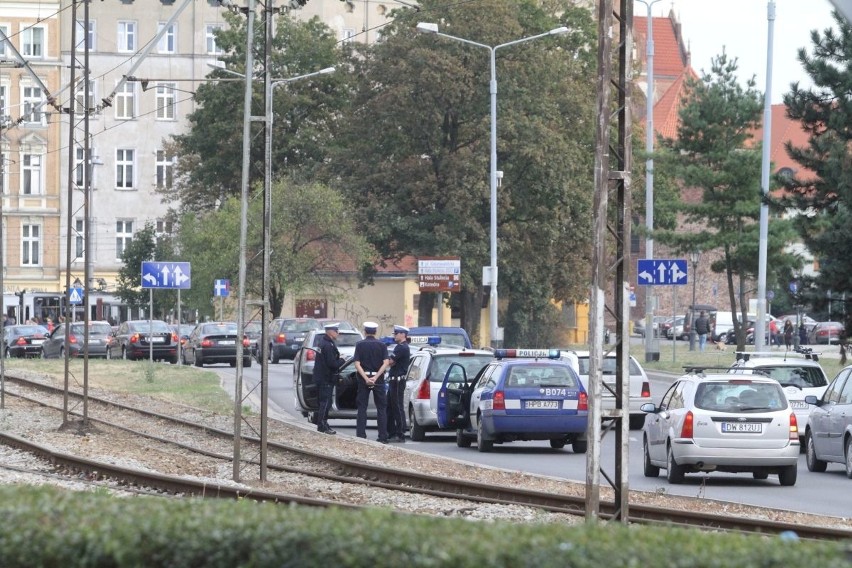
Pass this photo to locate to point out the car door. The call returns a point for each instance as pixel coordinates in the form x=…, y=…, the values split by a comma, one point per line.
x=50, y=347
x=657, y=425
x=819, y=419
x=452, y=408
x=838, y=417
x=307, y=389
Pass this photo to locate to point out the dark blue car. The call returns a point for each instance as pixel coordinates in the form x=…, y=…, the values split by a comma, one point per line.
x=524, y=394
x=450, y=336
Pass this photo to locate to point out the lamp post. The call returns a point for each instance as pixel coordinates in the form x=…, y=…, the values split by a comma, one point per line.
x=694, y=256
x=490, y=272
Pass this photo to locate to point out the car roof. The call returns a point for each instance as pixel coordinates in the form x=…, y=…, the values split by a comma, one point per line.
x=780, y=359
x=699, y=376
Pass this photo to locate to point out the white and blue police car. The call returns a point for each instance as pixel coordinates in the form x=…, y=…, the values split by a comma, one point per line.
x=523, y=394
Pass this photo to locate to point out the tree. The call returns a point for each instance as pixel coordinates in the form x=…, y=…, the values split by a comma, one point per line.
x=413, y=153
x=713, y=153
x=146, y=246
x=823, y=190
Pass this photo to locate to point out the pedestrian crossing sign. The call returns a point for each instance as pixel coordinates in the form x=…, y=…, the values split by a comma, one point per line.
x=75, y=296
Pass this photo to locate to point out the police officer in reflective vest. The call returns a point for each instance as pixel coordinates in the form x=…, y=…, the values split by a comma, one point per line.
x=371, y=361
x=326, y=366
x=400, y=358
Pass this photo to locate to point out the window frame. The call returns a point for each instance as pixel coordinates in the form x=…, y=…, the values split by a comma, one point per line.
x=28, y=41
x=123, y=236
x=125, y=102
x=125, y=169
x=31, y=244
x=165, y=101
x=126, y=36
x=167, y=43
x=32, y=175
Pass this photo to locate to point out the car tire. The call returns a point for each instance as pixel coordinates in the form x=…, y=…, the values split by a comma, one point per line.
x=247, y=363
x=173, y=360
x=787, y=475
x=124, y=354
x=580, y=446
x=557, y=443
x=649, y=469
x=849, y=457
x=198, y=361
x=232, y=363
x=462, y=441
x=674, y=472
x=61, y=353
x=760, y=475
x=43, y=356
x=813, y=463
x=483, y=444
x=418, y=433
x=274, y=357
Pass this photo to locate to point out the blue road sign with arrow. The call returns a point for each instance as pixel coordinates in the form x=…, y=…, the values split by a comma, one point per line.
x=166, y=275
x=662, y=272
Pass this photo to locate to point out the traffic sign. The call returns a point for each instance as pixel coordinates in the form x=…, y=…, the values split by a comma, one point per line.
x=75, y=296
x=222, y=288
x=166, y=275
x=662, y=272
x=439, y=274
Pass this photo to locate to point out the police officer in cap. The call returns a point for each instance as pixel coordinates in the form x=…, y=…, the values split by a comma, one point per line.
x=371, y=361
x=327, y=365
x=399, y=360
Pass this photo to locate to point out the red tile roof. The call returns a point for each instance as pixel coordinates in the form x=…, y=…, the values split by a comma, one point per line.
x=671, y=56
x=666, y=117
x=784, y=130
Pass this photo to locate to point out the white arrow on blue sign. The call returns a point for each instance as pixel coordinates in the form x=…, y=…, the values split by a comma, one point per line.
x=166, y=275
x=662, y=272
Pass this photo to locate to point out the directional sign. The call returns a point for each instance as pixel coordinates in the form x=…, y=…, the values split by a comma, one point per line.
x=657, y=272
x=166, y=275
x=75, y=296
x=222, y=288
x=439, y=274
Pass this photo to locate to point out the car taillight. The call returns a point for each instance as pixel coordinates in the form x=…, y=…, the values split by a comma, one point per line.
x=281, y=338
x=21, y=341
x=134, y=338
x=425, y=391
x=499, y=402
x=72, y=339
x=174, y=338
x=646, y=389
x=686, y=430
x=310, y=355
x=206, y=343
x=583, y=402
x=794, y=427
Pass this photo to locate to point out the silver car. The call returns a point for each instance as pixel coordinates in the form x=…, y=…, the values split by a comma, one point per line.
x=640, y=386
x=343, y=397
x=721, y=422
x=828, y=436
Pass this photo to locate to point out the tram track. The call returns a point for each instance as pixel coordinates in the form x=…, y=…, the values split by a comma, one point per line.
x=352, y=471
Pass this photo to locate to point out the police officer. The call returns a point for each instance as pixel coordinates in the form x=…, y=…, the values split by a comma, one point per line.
x=371, y=361
x=327, y=365
x=399, y=360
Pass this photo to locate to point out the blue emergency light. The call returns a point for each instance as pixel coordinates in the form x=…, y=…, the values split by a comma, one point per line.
x=427, y=339
x=526, y=353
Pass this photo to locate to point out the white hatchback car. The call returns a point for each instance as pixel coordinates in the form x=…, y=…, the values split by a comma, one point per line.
x=721, y=422
x=799, y=374
x=640, y=386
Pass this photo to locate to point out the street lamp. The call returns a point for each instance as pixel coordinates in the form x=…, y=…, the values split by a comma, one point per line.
x=490, y=272
x=694, y=256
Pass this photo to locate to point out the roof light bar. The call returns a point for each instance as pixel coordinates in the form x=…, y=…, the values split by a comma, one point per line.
x=526, y=353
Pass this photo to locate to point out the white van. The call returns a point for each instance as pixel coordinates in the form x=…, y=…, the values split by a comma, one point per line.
x=725, y=323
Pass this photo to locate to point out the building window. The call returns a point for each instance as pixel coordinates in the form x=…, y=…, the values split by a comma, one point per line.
x=125, y=102
x=166, y=101
x=31, y=174
x=86, y=36
x=167, y=42
x=30, y=245
x=347, y=35
x=126, y=36
x=79, y=232
x=165, y=170
x=3, y=98
x=32, y=42
x=33, y=110
x=124, y=169
x=210, y=36
x=123, y=237
x=3, y=173
x=80, y=96
x=5, y=30
x=164, y=228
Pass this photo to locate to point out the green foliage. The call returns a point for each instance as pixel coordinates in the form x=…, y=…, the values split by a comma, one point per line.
x=146, y=246
x=49, y=527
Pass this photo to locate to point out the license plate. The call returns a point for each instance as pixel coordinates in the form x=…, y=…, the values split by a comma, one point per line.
x=227, y=342
x=742, y=427
x=94, y=341
x=798, y=404
x=542, y=404
x=158, y=340
x=37, y=341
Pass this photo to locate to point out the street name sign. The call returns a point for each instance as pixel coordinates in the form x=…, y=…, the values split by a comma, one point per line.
x=439, y=274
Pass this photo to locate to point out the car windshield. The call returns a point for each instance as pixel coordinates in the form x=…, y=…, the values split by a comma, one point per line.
x=739, y=396
x=608, y=366
x=802, y=377
x=471, y=364
x=94, y=329
x=531, y=376
x=349, y=340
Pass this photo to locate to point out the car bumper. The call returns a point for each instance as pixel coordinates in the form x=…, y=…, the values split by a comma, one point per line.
x=537, y=427
x=94, y=351
x=28, y=351
x=423, y=412
x=159, y=352
x=688, y=453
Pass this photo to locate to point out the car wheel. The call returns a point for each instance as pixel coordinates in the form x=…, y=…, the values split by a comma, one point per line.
x=849, y=457
x=637, y=422
x=418, y=433
x=814, y=463
x=650, y=470
x=247, y=362
x=198, y=361
x=274, y=356
x=579, y=446
x=674, y=472
x=760, y=475
x=557, y=443
x=43, y=356
x=312, y=417
x=462, y=441
x=174, y=360
x=233, y=363
x=787, y=475
x=61, y=353
x=124, y=353
x=482, y=444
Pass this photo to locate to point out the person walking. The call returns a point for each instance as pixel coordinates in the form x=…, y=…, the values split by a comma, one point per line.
x=326, y=366
x=371, y=361
x=702, y=328
x=788, y=334
x=774, y=339
x=399, y=360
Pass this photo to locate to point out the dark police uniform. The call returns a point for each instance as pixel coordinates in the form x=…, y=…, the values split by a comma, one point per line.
x=371, y=354
x=326, y=366
x=400, y=357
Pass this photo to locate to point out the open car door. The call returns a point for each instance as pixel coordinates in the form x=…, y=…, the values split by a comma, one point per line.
x=453, y=408
x=306, y=390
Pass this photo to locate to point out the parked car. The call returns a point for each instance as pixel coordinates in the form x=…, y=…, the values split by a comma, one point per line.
x=24, y=340
x=640, y=386
x=342, y=325
x=537, y=397
x=659, y=323
x=286, y=336
x=215, y=342
x=828, y=436
x=454, y=336
x=798, y=373
x=343, y=404
x=252, y=329
x=721, y=422
x=825, y=332
x=138, y=339
x=639, y=327
x=804, y=318
x=426, y=372
x=72, y=337
x=676, y=330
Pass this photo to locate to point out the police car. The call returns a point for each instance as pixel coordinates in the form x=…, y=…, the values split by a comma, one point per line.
x=523, y=394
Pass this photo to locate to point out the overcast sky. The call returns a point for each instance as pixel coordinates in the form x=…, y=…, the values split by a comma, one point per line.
x=741, y=27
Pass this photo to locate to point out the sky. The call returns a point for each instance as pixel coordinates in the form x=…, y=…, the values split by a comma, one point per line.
x=741, y=26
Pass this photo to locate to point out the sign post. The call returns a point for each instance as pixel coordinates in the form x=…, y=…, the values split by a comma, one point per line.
x=169, y=276
x=661, y=272
x=221, y=290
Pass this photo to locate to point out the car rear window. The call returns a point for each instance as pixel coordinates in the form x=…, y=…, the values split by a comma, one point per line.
x=304, y=325
x=540, y=376
x=802, y=377
x=217, y=328
x=94, y=329
x=739, y=396
x=608, y=366
x=472, y=365
x=144, y=327
x=348, y=339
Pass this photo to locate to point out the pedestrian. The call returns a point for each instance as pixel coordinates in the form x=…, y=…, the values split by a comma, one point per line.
x=773, y=333
x=326, y=367
x=803, y=334
x=371, y=361
x=399, y=360
x=788, y=334
x=702, y=328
